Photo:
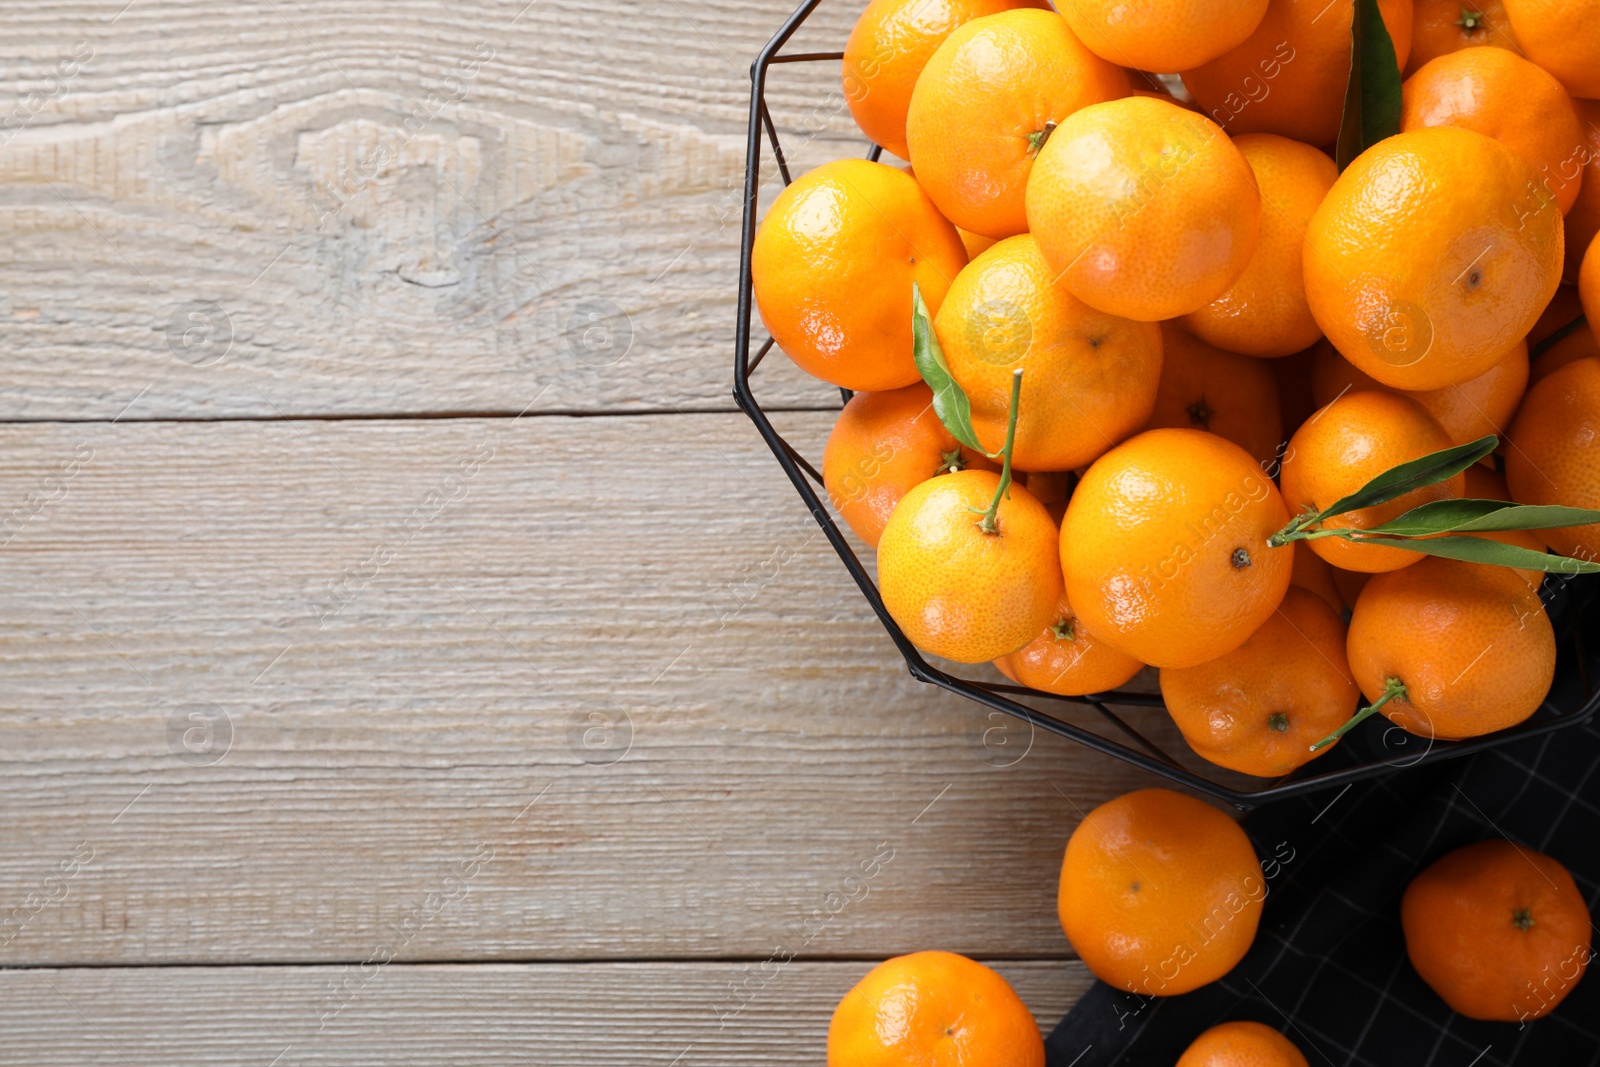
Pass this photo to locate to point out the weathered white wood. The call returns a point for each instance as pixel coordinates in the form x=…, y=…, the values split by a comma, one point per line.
x=415, y=630
x=692, y=1015
x=363, y=206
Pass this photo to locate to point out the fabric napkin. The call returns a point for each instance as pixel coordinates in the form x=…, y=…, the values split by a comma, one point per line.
x=1329, y=967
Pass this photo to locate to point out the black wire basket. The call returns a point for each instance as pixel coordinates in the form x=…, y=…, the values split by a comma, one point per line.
x=1120, y=723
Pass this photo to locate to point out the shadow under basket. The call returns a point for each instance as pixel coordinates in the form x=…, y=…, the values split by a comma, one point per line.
x=1119, y=723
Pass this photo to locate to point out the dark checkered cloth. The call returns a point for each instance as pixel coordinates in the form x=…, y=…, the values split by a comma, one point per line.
x=1329, y=967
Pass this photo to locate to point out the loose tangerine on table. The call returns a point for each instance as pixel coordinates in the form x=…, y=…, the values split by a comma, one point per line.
x=1499, y=931
x=1160, y=893
x=933, y=1007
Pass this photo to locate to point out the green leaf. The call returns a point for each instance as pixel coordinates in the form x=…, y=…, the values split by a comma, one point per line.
x=949, y=399
x=1483, y=550
x=1400, y=480
x=1372, y=96
x=1482, y=516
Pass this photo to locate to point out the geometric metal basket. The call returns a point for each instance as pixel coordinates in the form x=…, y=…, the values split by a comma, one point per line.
x=1123, y=717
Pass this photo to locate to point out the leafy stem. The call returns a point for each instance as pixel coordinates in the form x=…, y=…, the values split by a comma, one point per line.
x=1392, y=688
x=989, y=524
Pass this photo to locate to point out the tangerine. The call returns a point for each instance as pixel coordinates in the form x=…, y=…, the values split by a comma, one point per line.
x=882, y=445
x=889, y=45
x=1583, y=221
x=1553, y=451
x=1499, y=931
x=832, y=268
x=1067, y=660
x=1258, y=709
x=1485, y=483
x=933, y=1008
x=1430, y=258
x=1160, y=893
x=1346, y=444
x=1589, y=282
x=1264, y=312
x=1473, y=409
x=986, y=104
x=1091, y=378
x=1204, y=388
x=1579, y=343
x=1164, y=547
x=1163, y=35
x=1313, y=573
x=1143, y=208
x=1563, y=37
x=1242, y=1044
x=958, y=590
x=1501, y=95
x=1289, y=76
x=1440, y=27
x=1470, y=644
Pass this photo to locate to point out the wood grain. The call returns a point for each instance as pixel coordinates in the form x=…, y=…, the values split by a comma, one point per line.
x=282, y=678
x=595, y=1014
x=367, y=207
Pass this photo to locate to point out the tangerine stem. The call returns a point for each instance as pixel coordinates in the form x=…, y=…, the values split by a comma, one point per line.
x=1295, y=531
x=989, y=524
x=1392, y=688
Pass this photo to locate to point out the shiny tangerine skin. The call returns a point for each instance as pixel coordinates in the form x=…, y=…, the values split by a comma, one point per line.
x=1089, y=378
x=1471, y=643
x=1143, y=208
x=1563, y=37
x=1473, y=409
x=1342, y=447
x=1499, y=931
x=1160, y=893
x=1205, y=388
x=1431, y=256
x=888, y=47
x=994, y=89
x=1165, y=35
x=933, y=1009
x=1066, y=659
x=1583, y=221
x=833, y=265
x=1264, y=312
x=882, y=445
x=1438, y=29
x=1553, y=452
x=1164, y=547
x=1242, y=1044
x=956, y=591
x=1501, y=95
x=1260, y=708
x=1289, y=76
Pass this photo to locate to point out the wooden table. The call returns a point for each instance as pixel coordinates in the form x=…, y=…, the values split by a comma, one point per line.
x=407, y=653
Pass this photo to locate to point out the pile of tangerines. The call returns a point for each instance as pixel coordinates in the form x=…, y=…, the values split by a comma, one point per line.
x=1196, y=335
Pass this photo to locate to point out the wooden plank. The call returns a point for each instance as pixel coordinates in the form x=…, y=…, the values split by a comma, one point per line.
x=596, y=1014
x=372, y=207
x=272, y=682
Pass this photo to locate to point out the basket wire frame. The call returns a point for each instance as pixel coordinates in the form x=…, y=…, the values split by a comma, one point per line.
x=1574, y=624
